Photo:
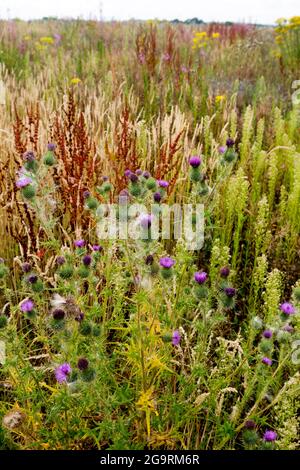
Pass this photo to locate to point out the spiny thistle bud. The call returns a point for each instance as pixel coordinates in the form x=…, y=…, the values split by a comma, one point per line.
x=3, y=321
x=32, y=278
x=296, y=293
x=265, y=346
x=151, y=183
x=37, y=286
x=96, y=331
x=28, y=192
x=157, y=196
x=85, y=328
x=88, y=374
x=66, y=271
x=49, y=158
x=91, y=203
x=3, y=269
x=166, y=264
x=133, y=178
x=257, y=323
x=83, y=272
x=201, y=292
x=30, y=161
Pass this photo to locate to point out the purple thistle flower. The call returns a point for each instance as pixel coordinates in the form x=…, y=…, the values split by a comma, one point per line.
x=127, y=173
x=23, y=181
x=27, y=305
x=176, y=337
x=166, y=262
x=60, y=260
x=149, y=259
x=87, y=259
x=146, y=220
x=51, y=147
x=224, y=272
x=162, y=183
x=104, y=178
x=222, y=150
x=270, y=436
x=195, y=161
x=82, y=363
x=29, y=156
x=230, y=291
x=58, y=314
x=230, y=142
x=267, y=334
x=139, y=172
x=200, y=277
x=146, y=174
x=287, y=308
x=133, y=178
x=62, y=372
x=97, y=248
x=288, y=328
x=267, y=361
x=250, y=424
x=86, y=194
x=157, y=197
x=26, y=267
x=79, y=243
x=32, y=278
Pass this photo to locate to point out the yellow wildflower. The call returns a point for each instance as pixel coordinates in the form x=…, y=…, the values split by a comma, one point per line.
x=47, y=40
x=219, y=98
x=75, y=81
x=215, y=35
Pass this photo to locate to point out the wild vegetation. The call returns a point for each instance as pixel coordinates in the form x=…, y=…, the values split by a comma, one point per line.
x=146, y=344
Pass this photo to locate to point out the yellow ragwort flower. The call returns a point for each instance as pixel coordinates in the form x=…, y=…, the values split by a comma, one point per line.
x=75, y=81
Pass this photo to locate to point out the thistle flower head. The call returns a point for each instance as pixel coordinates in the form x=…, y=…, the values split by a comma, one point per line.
x=230, y=291
x=250, y=424
x=270, y=436
x=32, y=278
x=133, y=177
x=267, y=334
x=267, y=361
x=176, y=337
x=86, y=194
x=127, y=173
x=97, y=248
x=23, y=181
x=230, y=142
x=62, y=372
x=149, y=259
x=222, y=150
x=58, y=314
x=51, y=147
x=195, y=161
x=82, y=363
x=26, y=267
x=27, y=305
x=79, y=243
x=288, y=328
x=139, y=172
x=29, y=156
x=224, y=272
x=287, y=308
x=157, y=196
x=162, y=183
x=200, y=277
x=87, y=259
x=146, y=174
x=166, y=262
x=60, y=260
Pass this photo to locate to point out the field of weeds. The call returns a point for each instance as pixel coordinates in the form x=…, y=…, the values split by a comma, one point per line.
x=149, y=342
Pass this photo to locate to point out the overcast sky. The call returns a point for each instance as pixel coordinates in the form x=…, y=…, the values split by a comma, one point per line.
x=260, y=11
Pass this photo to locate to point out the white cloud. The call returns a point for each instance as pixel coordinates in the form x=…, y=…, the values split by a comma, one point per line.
x=262, y=11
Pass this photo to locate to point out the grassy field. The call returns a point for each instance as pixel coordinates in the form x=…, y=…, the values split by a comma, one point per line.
x=147, y=344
